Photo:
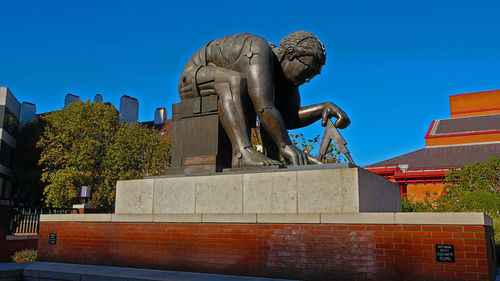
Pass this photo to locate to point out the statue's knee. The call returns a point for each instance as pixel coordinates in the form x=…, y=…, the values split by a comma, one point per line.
x=237, y=83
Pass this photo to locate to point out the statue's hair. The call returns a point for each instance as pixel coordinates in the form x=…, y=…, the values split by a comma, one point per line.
x=301, y=43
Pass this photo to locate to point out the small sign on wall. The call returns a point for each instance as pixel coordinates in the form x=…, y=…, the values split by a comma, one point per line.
x=445, y=253
x=52, y=238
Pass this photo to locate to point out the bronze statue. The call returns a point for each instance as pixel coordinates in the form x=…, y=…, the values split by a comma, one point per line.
x=253, y=77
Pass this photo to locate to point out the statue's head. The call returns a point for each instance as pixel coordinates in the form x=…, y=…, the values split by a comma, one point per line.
x=302, y=56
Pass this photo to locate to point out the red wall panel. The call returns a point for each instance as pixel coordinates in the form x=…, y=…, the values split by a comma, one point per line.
x=298, y=251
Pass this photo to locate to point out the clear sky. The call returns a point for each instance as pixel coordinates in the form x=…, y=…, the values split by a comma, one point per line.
x=391, y=65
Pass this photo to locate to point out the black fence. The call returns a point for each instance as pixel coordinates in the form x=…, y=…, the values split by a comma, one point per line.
x=27, y=221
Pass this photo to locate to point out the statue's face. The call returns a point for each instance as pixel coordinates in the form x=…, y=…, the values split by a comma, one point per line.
x=300, y=70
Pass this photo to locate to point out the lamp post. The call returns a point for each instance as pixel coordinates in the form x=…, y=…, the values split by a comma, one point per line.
x=84, y=208
x=85, y=194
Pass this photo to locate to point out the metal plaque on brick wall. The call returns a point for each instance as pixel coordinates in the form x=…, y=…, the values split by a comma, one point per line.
x=52, y=238
x=445, y=253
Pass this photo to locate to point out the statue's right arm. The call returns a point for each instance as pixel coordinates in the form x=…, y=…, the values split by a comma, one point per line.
x=260, y=81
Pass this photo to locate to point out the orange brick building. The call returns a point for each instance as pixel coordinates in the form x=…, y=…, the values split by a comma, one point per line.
x=471, y=135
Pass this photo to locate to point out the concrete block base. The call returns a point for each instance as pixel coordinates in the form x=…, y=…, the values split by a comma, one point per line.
x=281, y=191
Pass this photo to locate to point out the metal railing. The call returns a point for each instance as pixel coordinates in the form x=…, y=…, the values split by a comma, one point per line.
x=27, y=221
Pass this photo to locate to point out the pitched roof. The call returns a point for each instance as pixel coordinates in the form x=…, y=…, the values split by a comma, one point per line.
x=465, y=125
x=444, y=156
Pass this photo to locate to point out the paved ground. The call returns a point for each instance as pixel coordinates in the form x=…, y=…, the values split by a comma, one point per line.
x=65, y=271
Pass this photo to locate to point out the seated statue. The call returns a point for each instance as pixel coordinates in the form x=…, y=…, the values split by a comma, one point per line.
x=252, y=77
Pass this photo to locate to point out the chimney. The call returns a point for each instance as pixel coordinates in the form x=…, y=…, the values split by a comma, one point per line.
x=98, y=98
x=160, y=116
x=27, y=112
x=129, y=109
x=69, y=99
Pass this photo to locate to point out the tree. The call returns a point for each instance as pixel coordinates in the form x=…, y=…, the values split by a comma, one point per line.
x=85, y=144
x=135, y=152
x=474, y=187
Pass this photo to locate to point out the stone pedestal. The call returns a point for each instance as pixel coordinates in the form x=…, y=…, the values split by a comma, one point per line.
x=200, y=144
x=250, y=197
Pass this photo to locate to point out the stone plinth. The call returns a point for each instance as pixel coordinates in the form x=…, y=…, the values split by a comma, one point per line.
x=309, y=192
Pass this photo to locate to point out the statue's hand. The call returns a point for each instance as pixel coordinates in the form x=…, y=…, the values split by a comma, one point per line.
x=294, y=155
x=331, y=110
x=314, y=160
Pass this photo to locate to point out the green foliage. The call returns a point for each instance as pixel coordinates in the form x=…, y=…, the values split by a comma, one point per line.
x=73, y=149
x=26, y=174
x=474, y=187
x=408, y=205
x=136, y=151
x=26, y=255
x=85, y=144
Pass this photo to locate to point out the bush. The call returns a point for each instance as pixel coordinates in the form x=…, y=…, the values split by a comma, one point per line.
x=26, y=255
x=408, y=205
x=472, y=188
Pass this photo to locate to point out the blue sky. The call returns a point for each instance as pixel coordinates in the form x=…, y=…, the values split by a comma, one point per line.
x=391, y=65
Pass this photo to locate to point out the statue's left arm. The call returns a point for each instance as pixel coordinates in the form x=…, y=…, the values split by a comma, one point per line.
x=298, y=117
x=324, y=111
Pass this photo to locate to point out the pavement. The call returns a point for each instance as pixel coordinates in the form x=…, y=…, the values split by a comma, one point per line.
x=65, y=271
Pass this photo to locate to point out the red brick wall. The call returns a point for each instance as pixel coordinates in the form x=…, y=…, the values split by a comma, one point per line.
x=298, y=251
x=8, y=247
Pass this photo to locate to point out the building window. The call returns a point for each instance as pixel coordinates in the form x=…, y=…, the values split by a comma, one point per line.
x=10, y=122
x=6, y=154
x=5, y=187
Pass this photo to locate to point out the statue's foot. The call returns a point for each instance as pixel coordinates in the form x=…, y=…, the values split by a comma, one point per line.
x=248, y=157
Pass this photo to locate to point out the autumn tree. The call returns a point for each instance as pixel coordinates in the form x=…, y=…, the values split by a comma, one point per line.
x=85, y=144
x=136, y=151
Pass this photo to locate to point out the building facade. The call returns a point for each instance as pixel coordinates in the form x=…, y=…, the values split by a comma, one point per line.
x=470, y=135
x=12, y=115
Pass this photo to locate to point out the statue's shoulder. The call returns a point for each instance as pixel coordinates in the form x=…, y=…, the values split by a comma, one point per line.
x=241, y=35
x=240, y=38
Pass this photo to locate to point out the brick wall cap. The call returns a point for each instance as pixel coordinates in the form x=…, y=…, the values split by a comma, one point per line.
x=462, y=218
x=84, y=206
x=21, y=237
x=324, y=218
